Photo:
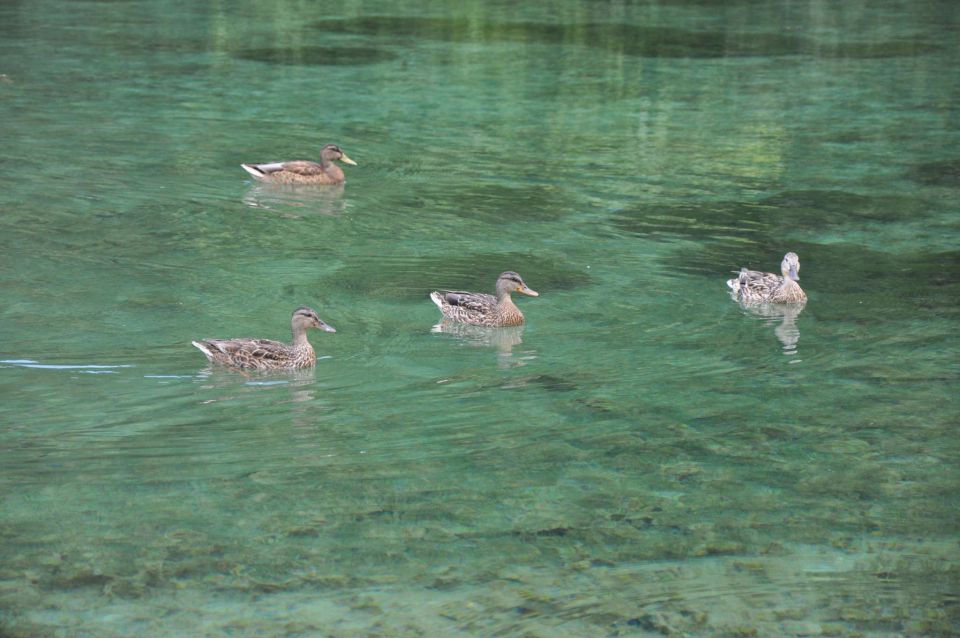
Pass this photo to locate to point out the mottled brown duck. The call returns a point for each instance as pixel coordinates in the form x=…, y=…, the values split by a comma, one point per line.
x=481, y=309
x=266, y=354
x=327, y=171
x=755, y=287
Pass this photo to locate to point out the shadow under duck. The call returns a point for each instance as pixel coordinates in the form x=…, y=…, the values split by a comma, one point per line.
x=753, y=286
x=266, y=354
x=481, y=309
x=304, y=171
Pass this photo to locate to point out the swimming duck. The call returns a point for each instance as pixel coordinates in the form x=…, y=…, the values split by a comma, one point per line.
x=764, y=287
x=304, y=171
x=265, y=354
x=481, y=309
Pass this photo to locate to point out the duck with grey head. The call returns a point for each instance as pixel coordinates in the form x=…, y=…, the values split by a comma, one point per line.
x=481, y=309
x=266, y=354
x=753, y=286
x=304, y=171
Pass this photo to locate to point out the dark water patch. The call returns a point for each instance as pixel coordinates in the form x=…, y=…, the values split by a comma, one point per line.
x=927, y=280
x=554, y=383
x=415, y=277
x=316, y=56
x=769, y=221
x=548, y=382
x=690, y=3
x=534, y=202
x=939, y=173
x=495, y=203
x=837, y=207
x=695, y=220
x=622, y=38
x=723, y=228
x=873, y=50
x=552, y=531
x=885, y=284
x=848, y=137
x=850, y=282
x=131, y=40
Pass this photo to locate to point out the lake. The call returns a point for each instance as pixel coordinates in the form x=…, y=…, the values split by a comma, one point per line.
x=644, y=457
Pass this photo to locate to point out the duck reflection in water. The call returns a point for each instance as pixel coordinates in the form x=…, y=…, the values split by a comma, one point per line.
x=504, y=339
x=237, y=384
x=294, y=202
x=784, y=317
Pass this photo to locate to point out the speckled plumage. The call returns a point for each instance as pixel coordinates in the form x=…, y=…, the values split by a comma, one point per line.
x=304, y=171
x=753, y=287
x=481, y=309
x=266, y=354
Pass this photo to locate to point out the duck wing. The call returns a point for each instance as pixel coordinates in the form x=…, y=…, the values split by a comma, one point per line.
x=756, y=278
x=249, y=353
x=302, y=167
x=299, y=167
x=469, y=301
x=754, y=285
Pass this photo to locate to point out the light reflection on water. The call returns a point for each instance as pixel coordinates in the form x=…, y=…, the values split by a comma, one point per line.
x=783, y=318
x=501, y=340
x=295, y=201
x=27, y=363
x=639, y=458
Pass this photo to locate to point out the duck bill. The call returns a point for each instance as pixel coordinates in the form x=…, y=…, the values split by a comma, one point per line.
x=793, y=274
x=530, y=292
x=326, y=328
x=347, y=160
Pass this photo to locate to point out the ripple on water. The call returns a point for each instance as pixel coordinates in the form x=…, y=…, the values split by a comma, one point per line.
x=502, y=203
x=941, y=173
x=316, y=56
x=90, y=367
x=929, y=282
x=414, y=277
x=662, y=42
x=731, y=231
x=766, y=219
x=632, y=40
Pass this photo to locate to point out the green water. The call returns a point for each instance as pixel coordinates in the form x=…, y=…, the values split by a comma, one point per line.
x=643, y=458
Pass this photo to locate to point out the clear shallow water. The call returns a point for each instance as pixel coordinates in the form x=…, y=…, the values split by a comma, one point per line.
x=642, y=458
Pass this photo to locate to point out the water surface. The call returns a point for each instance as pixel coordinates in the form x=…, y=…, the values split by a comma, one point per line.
x=642, y=458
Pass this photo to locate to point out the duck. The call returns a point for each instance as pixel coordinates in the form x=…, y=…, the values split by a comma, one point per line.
x=481, y=309
x=753, y=287
x=304, y=171
x=266, y=354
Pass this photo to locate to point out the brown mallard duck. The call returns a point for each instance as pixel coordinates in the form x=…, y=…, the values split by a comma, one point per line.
x=753, y=287
x=481, y=309
x=265, y=354
x=304, y=171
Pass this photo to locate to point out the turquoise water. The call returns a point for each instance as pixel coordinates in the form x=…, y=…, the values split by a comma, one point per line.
x=642, y=458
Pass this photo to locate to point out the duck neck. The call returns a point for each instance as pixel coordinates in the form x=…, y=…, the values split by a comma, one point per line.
x=300, y=338
x=508, y=311
x=332, y=169
x=506, y=308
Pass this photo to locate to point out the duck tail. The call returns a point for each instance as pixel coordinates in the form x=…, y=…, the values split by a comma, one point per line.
x=253, y=170
x=202, y=347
